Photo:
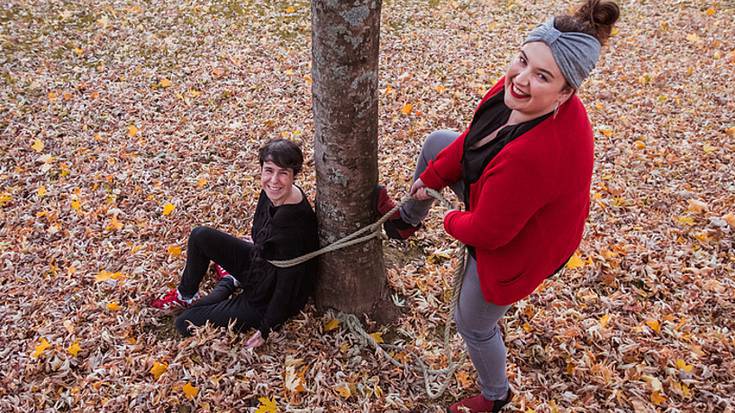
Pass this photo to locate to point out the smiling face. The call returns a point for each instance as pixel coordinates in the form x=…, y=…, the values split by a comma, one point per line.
x=534, y=84
x=276, y=182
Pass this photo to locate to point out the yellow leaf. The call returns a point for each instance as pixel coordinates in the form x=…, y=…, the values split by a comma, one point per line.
x=158, y=369
x=730, y=131
x=599, y=106
x=192, y=93
x=729, y=218
x=614, y=31
x=332, y=324
x=527, y=327
x=711, y=11
x=190, y=391
x=74, y=348
x=377, y=336
x=76, y=205
x=639, y=144
x=41, y=190
x=174, y=250
x=696, y=206
x=97, y=137
x=115, y=224
x=683, y=366
x=685, y=220
x=266, y=405
x=52, y=95
x=201, y=182
x=168, y=209
x=388, y=89
x=440, y=88
x=575, y=262
x=40, y=348
x=604, y=320
x=657, y=398
x=654, y=325
x=707, y=148
x=164, y=83
x=113, y=306
x=5, y=199
x=103, y=276
x=344, y=391
x=132, y=131
x=290, y=9
x=608, y=132
x=37, y=145
x=645, y=79
x=693, y=37
x=79, y=51
x=407, y=108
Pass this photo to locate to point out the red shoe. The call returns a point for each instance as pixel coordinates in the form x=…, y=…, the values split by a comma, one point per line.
x=479, y=404
x=221, y=272
x=395, y=226
x=173, y=302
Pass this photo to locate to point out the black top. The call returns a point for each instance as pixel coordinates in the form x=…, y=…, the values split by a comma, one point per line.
x=281, y=233
x=489, y=117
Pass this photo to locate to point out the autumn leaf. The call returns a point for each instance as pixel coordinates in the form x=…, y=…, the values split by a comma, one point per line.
x=190, y=391
x=685, y=220
x=654, y=325
x=74, y=348
x=377, y=336
x=115, y=224
x=463, y=379
x=693, y=37
x=290, y=9
x=40, y=348
x=266, y=405
x=164, y=83
x=201, y=182
x=710, y=11
x=76, y=205
x=52, y=96
x=440, y=88
x=158, y=369
x=174, y=250
x=730, y=131
x=683, y=366
x=696, y=206
x=132, y=131
x=41, y=190
x=575, y=262
x=729, y=218
x=657, y=398
x=604, y=320
x=168, y=209
x=344, y=391
x=113, y=306
x=407, y=108
x=331, y=325
x=38, y=145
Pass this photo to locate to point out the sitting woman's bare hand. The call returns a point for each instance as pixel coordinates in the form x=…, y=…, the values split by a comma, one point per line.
x=418, y=190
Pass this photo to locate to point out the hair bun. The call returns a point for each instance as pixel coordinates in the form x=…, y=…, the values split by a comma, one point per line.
x=600, y=16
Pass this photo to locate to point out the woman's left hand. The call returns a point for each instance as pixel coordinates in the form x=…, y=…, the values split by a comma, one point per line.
x=256, y=340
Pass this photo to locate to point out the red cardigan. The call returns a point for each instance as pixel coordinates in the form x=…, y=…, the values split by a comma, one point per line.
x=528, y=209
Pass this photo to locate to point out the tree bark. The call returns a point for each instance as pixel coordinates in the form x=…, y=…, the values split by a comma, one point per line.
x=345, y=40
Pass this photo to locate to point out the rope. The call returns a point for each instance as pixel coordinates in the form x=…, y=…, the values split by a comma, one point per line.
x=353, y=323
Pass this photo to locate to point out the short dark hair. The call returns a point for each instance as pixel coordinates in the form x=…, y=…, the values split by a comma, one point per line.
x=283, y=153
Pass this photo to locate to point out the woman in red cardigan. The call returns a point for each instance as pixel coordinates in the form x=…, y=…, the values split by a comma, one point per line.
x=523, y=168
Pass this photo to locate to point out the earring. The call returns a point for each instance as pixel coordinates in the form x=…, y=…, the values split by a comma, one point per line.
x=556, y=110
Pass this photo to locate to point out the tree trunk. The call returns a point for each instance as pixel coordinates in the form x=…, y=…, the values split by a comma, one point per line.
x=345, y=39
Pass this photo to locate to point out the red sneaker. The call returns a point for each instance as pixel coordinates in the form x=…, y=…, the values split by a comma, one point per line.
x=221, y=272
x=172, y=301
x=395, y=226
x=479, y=404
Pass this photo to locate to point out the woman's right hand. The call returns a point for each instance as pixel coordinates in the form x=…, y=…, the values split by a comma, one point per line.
x=418, y=190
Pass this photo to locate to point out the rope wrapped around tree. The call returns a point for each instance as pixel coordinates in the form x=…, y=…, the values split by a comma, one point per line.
x=355, y=326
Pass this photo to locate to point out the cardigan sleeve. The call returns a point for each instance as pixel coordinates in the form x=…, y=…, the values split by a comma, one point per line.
x=515, y=188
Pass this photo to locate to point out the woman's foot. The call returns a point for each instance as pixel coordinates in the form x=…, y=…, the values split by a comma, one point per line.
x=479, y=404
x=173, y=301
x=221, y=272
x=395, y=226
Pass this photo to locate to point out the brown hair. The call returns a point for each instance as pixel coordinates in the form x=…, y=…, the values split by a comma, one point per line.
x=594, y=17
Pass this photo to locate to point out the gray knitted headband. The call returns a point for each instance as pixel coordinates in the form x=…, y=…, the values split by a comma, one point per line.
x=576, y=53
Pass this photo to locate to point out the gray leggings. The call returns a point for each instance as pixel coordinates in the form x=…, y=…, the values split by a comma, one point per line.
x=476, y=319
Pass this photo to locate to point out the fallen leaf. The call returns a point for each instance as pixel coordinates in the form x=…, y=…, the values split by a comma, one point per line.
x=729, y=218
x=164, y=83
x=266, y=405
x=377, y=336
x=132, y=131
x=40, y=348
x=696, y=206
x=575, y=262
x=683, y=366
x=37, y=145
x=158, y=369
x=407, y=108
x=604, y=320
x=331, y=325
x=113, y=306
x=41, y=190
x=174, y=250
x=74, y=348
x=168, y=209
x=190, y=391
x=654, y=325
x=344, y=391
x=657, y=398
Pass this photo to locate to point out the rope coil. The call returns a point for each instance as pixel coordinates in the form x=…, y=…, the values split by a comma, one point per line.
x=353, y=323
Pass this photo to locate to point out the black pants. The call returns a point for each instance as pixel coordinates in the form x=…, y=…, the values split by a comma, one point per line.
x=219, y=307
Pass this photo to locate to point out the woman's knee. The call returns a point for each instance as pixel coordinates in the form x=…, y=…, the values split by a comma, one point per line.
x=438, y=140
x=474, y=331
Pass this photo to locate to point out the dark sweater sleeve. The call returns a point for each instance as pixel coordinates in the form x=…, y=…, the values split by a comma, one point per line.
x=288, y=241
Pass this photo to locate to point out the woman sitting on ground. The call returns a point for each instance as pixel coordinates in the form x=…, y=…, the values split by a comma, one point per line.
x=284, y=227
x=523, y=168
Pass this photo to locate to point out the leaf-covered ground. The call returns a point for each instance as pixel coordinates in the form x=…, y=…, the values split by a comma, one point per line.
x=125, y=124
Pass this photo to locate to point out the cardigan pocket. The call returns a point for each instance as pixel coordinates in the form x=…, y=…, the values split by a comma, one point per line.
x=511, y=280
